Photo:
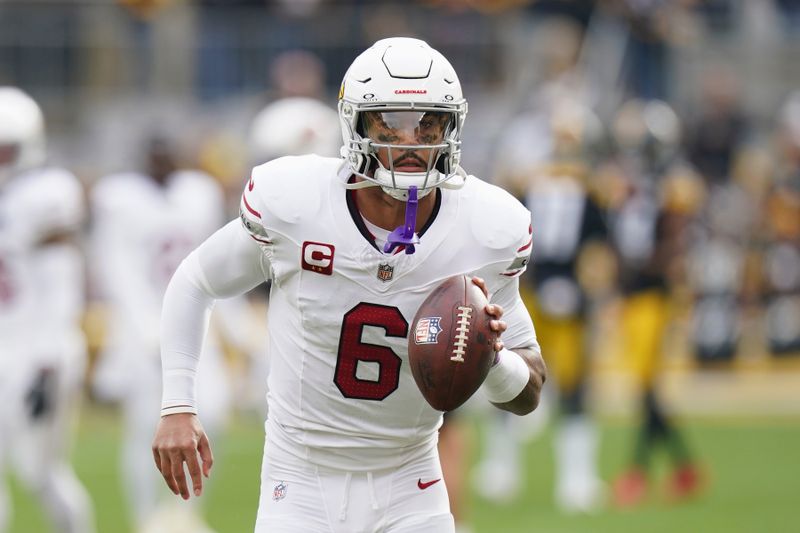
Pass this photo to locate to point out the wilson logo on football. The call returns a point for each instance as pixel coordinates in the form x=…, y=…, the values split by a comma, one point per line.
x=318, y=257
x=410, y=91
x=427, y=330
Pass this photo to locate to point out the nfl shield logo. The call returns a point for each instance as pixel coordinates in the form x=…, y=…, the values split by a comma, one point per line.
x=385, y=272
x=279, y=492
x=428, y=329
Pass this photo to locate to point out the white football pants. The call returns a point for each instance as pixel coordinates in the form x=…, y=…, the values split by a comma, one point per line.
x=297, y=497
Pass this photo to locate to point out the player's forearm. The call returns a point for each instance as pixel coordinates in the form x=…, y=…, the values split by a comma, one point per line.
x=528, y=399
x=227, y=264
x=184, y=321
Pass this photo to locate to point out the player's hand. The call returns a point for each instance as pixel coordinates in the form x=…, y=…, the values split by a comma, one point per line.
x=180, y=438
x=497, y=325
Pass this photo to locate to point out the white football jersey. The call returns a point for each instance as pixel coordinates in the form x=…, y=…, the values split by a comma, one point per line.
x=141, y=232
x=341, y=310
x=39, y=312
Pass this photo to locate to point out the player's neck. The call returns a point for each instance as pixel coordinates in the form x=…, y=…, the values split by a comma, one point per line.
x=388, y=213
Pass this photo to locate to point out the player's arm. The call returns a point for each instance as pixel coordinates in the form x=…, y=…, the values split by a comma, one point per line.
x=516, y=378
x=528, y=399
x=227, y=264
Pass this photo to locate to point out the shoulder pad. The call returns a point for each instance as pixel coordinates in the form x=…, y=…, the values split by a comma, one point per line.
x=498, y=219
x=289, y=189
x=500, y=222
x=53, y=201
x=284, y=192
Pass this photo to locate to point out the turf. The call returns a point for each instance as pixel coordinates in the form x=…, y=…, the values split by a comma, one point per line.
x=753, y=467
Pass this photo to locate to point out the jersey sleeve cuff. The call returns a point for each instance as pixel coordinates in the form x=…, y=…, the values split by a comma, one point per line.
x=175, y=409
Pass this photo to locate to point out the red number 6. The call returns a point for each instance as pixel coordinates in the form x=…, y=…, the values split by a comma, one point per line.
x=352, y=350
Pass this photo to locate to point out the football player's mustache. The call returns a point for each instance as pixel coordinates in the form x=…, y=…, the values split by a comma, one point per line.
x=409, y=158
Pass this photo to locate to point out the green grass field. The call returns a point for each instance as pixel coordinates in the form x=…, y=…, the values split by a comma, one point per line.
x=754, y=468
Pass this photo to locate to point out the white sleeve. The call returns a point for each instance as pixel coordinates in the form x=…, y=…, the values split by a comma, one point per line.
x=520, y=332
x=227, y=264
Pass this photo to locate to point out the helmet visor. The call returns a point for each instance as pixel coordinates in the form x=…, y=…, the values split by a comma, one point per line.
x=407, y=141
x=407, y=127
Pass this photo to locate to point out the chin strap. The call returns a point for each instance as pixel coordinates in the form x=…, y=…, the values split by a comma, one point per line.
x=405, y=235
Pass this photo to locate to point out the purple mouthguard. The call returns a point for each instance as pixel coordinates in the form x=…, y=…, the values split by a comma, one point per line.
x=404, y=235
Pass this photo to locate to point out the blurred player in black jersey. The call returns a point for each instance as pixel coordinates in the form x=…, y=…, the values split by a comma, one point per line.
x=570, y=234
x=650, y=227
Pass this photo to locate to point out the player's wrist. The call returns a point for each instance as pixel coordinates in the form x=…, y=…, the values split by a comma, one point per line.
x=507, y=378
x=178, y=392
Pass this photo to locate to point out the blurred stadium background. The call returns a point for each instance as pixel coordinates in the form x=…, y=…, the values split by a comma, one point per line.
x=109, y=74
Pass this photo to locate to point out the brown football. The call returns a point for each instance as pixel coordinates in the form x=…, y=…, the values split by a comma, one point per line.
x=451, y=346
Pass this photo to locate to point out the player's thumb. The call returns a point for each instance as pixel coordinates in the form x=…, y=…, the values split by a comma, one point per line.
x=204, y=449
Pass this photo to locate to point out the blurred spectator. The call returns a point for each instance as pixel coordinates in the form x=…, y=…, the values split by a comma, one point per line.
x=297, y=73
x=790, y=9
x=716, y=262
x=42, y=347
x=782, y=254
x=654, y=27
x=145, y=9
x=718, y=127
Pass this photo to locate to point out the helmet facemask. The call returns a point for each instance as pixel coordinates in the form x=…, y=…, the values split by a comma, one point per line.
x=397, y=147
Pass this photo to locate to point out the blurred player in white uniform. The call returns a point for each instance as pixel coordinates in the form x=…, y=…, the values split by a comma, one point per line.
x=554, y=178
x=42, y=348
x=351, y=442
x=294, y=126
x=143, y=225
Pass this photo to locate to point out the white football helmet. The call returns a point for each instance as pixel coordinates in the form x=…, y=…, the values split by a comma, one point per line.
x=22, y=144
x=294, y=126
x=401, y=74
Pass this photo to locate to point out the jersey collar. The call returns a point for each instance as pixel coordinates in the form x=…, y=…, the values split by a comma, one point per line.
x=358, y=219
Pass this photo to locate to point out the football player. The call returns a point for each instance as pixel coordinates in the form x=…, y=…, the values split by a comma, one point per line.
x=650, y=225
x=42, y=349
x=294, y=126
x=571, y=233
x=353, y=247
x=144, y=223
